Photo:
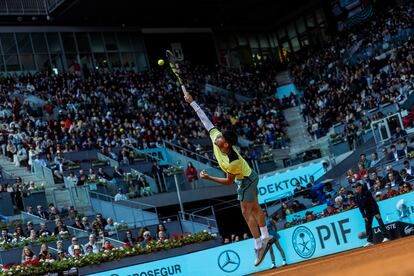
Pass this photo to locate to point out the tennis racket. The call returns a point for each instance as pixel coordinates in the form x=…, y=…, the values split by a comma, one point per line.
x=172, y=61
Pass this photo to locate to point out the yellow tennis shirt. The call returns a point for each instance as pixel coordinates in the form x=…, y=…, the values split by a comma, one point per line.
x=231, y=163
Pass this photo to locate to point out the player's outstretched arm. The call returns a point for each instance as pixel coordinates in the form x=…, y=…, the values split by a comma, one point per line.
x=200, y=113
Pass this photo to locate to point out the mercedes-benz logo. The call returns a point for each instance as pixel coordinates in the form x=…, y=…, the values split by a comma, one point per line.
x=229, y=261
x=303, y=242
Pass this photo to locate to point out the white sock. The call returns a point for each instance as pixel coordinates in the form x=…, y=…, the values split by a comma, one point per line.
x=257, y=243
x=264, y=231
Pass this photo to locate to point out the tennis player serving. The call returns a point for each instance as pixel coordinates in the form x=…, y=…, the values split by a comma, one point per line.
x=237, y=170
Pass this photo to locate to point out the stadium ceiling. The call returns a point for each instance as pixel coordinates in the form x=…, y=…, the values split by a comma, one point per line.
x=162, y=13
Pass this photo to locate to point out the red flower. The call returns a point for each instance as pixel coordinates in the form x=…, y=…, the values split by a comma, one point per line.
x=6, y=266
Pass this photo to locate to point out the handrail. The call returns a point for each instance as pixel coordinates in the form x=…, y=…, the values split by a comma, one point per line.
x=189, y=151
x=112, y=199
x=34, y=217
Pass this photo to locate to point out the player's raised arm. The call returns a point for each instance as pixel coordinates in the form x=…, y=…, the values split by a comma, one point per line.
x=203, y=117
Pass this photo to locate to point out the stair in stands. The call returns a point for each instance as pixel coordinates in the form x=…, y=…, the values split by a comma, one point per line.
x=300, y=140
x=9, y=170
x=283, y=78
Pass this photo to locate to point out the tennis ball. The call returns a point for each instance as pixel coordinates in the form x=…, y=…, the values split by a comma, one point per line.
x=161, y=62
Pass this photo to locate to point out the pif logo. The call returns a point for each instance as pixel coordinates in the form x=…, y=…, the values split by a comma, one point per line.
x=303, y=242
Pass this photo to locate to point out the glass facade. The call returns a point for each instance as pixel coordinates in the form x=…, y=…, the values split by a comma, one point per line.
x=37, y=50
x=289, y=37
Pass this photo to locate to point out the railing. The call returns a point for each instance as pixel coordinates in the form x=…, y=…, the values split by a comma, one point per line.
x=191, y=154
x=198, y=221
x=23, y=7
x=127, y=203
x=53, y=4
x=30, y=217
x=391, y=42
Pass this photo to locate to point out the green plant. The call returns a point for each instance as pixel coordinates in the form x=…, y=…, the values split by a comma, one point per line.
x=39, y=267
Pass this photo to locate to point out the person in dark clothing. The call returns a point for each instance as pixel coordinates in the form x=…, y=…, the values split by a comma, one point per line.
x=369, y=208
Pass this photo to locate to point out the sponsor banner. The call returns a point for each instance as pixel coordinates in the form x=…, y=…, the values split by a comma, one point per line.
x=311, y=240
x=282, y=184
x=396, y=229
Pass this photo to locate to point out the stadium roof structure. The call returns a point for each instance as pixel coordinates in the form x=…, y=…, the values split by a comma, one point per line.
x=148, y=14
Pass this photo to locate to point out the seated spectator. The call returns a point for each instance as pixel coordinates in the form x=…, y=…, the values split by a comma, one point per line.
x=141, y=231
x=365, y=162
x=6, y=237
x=405, y=176
x=340, y=204
x=351, y=177
x=19, y=230
x=118, y=172
x=92, y=175
x=100, y=217
x=406, y=188
x=92, y=242
x=374, y=160
x=72, y=212
x=61, y=256
x=362, y=172
x=71, y=248
x=88, y=250
x=129, y=239
x=298, y=206
x=86, y=225
x=395, y=155
x=97, y=227
x=133, y=189
x=29, y=227
x=378, y=185
x=44, y=253
x=399, y=133
x=161, y=227
x=32, y=236
x=147, y=238
x=405, y=149
x=60, y=228
x=351, y=198
x=108, y=245
x=246, y=236
x=145, y=188
x=29, y=208
x=298, y=188
x=378, y=196
x=286, y=210
x=77, y=251
x=17, y=238
x=54, y=213
x=73, y=178
x=27, y=254
x=120, y=195
x=407, y=166
x=41, y=212
x=392, y=180
x=110, y=227
x=102, y=174
x=43, y=231
x=82, y=178
x=161, y=236
x=389, y=192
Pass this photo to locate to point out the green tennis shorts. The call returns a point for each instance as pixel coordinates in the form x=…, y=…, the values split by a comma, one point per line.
x=247, y=188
